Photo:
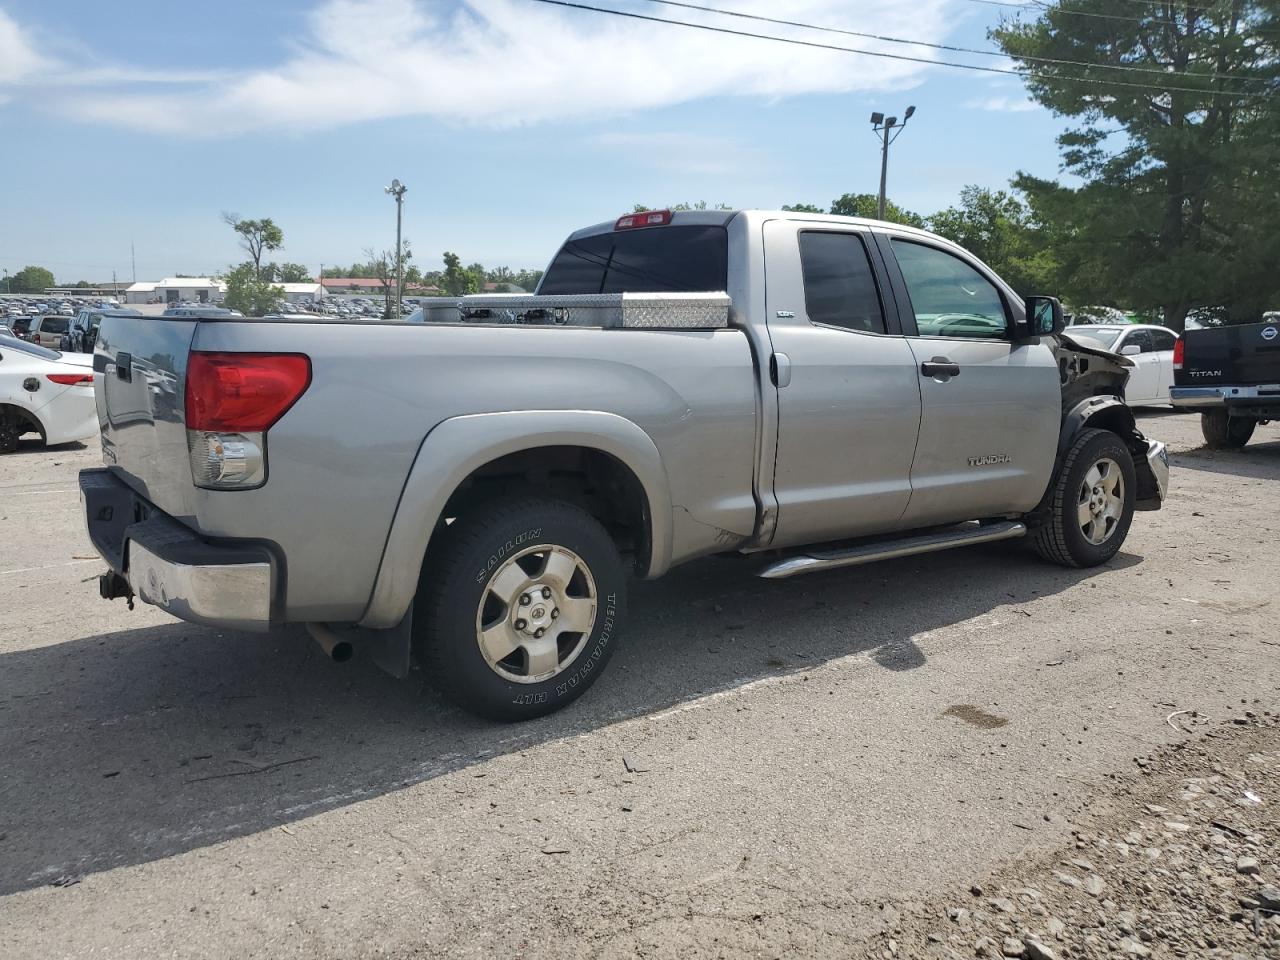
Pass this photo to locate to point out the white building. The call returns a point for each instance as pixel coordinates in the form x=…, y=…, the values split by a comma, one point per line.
x=140, y=293
x=301, y=292
x=192, y=289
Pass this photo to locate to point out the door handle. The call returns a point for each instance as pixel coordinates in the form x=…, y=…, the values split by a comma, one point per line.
x=940, y=368
x=780, y=369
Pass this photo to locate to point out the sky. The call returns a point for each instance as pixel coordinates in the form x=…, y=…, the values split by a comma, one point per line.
x=512, y=122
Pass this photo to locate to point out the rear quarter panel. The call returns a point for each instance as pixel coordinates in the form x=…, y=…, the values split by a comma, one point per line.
x=339, y=459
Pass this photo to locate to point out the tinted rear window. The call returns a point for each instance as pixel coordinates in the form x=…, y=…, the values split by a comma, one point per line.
x=839, y=286
x=657, y=260
x=54, y=325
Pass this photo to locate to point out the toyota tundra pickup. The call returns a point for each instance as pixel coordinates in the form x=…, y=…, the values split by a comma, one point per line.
x=471, y=492
x=1232, y=376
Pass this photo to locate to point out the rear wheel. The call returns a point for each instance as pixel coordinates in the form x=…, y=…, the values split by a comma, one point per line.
x=1091, y=503
x=9, y=433
x=1224, y=432
x=519, y=608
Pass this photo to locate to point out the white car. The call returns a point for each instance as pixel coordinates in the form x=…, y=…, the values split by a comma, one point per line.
x=1149, y=347
x=46, y=392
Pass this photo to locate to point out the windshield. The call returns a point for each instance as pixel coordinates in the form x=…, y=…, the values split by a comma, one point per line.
x=1107, y=336
x=13, y=343
x=656, y=260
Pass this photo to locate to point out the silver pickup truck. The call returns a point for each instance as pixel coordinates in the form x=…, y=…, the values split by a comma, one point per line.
x=474, y=490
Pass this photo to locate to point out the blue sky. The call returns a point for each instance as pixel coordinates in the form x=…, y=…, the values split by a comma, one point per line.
x=512, y=123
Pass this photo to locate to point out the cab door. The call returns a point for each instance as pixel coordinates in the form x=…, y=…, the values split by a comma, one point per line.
x=848, y=396
x=991, y=404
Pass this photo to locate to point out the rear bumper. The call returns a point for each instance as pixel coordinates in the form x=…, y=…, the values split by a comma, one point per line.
x=169, y=566
x=1226, y=396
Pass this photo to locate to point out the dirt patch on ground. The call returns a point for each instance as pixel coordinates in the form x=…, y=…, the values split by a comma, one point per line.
x=1180, y=860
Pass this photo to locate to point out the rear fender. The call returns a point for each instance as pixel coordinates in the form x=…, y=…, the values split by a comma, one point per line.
x=457, y=447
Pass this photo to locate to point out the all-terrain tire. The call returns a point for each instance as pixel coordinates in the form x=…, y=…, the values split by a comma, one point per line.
x=1062, y=538
x=1224, y=432
x=459, y=602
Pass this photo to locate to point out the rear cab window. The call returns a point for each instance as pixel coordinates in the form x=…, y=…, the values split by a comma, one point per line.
x=667, y=259
x=839, y=284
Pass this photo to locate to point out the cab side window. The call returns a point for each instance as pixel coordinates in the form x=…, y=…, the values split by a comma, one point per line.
x=839, y=284
x=1163, y=339
x=949, y=297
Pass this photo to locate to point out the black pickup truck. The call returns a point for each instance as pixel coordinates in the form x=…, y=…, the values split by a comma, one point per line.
x=1232, y=375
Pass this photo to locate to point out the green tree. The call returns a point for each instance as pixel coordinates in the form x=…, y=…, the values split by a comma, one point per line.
x=249, y=293
x=290, y=273
x=30, y=280
x=998, y=227
x=256, y=237
x=457, y=280
x=802, y=208
x=1178, y=205
x=867, y=205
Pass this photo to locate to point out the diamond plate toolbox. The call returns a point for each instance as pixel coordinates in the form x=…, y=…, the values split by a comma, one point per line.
x=642, y=311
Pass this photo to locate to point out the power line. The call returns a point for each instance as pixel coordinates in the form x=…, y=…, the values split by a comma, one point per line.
x=1163, y=88
x=942, y=46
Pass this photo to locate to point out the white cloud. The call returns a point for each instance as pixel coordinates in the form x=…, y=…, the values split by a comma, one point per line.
x=506, y=62
x=18, y=60
x=1003, y=104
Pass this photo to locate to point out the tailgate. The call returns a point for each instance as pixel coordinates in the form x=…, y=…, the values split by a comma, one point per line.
x=1243, y=355
x=139, y=377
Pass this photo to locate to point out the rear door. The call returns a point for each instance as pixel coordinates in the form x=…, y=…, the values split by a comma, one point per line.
x=848, y=397
x=1164, y=341
x=1144, y=379
x=991, y=405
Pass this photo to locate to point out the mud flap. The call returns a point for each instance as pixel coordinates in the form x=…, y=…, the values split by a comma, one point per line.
x=390, y=649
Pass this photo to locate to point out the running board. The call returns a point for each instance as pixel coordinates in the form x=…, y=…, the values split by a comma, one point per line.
x=817, y=561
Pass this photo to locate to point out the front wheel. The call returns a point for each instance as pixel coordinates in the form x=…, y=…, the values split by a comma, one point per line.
x=1224, y=432
x=1091, y=503
x=519, y=607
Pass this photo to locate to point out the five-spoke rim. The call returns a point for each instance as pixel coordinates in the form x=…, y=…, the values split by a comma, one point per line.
x=536, y=613
x=1101, y=501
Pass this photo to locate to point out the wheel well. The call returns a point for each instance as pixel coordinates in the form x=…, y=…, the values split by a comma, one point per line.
x=590, y=479
x=27, y=422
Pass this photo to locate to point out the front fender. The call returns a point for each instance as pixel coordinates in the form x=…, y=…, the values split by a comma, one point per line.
x=455, y=448
x=1150, y=459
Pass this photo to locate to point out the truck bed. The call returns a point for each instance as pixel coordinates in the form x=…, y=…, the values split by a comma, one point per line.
x=339, y=459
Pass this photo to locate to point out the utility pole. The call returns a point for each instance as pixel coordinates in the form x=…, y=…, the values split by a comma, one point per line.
x=115, y=286
x=133, y=260
x=397, y=190
x=883, y=128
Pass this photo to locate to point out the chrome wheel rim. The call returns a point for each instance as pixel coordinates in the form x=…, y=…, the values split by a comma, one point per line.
x=1101, y=502
x=536, y=614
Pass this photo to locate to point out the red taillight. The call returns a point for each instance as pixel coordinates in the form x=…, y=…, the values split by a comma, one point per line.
x=1179, y=348
x=70, y=379
x=649, y=218
x=243, y=392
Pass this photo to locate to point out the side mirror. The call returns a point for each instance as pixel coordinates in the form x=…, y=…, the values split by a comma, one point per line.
x=1130, y=350
x=1044, y=316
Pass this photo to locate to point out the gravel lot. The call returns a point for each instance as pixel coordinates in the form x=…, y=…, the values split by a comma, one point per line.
x=813, y=767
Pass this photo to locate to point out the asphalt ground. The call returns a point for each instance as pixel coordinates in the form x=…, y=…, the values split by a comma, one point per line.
x=766, y=769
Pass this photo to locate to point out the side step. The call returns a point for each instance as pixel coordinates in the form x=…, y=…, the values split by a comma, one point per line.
x=971, y=533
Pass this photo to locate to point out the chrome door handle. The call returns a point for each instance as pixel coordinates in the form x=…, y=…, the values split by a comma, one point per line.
x=940, y=368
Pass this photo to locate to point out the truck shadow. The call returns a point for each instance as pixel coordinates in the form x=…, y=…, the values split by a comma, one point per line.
x=133, y=746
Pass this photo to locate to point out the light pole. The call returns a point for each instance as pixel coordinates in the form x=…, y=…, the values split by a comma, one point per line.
x=883, y=127
x=6, y=282
x=397, y=190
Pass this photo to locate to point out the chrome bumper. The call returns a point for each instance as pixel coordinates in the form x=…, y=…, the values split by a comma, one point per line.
x=1158, y=461
x=1220, y=396
x=169, y=566
x=234, y=595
